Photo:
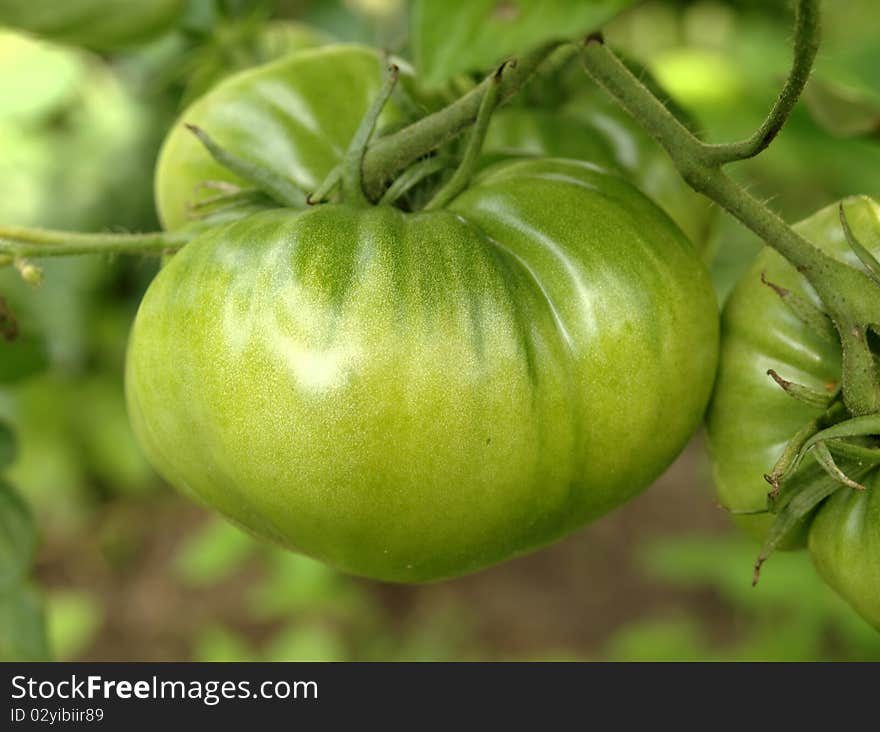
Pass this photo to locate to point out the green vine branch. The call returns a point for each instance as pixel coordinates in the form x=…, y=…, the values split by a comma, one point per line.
x=17, y=243
x=850, y=296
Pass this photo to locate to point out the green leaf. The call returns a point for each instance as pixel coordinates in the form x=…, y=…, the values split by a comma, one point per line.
x=8, y=446
x=22, y=627
x=451, y=37
x=18, y=538
x=21, y=357
x=842, y=109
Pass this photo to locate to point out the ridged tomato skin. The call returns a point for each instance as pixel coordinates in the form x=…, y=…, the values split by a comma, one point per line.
x=414, y=396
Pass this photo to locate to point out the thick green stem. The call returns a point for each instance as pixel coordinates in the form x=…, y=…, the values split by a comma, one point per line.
x=390, y=154
x=18, y=242
x=462, y=176
x=352, y=167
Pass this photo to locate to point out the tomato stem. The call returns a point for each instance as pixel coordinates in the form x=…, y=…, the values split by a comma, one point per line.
x=18, y=243
x=390, y=154
x=412, y=176
x=462, y=176
x=850, y=295
x=353, y=166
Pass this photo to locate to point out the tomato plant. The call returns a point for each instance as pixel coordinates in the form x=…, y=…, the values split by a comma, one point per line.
x=751, y=418
x=415, y=319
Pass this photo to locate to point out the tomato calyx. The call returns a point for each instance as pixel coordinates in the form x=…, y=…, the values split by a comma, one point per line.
x=268, y=188
x=842, y=442
x=845, y=453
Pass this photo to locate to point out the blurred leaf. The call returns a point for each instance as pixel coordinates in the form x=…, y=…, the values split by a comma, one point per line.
x=18, y=538
x=451, y=37
x=725, y=564
x=218, y=644
x=677, y=639
x=100, y=422
x=22, y=627
x=842, y=110
x=296, y=583
x=73, y=620
x=312, y=642
x=21, y=357
x=8, y=446
x=790, y=592
x=213, y=553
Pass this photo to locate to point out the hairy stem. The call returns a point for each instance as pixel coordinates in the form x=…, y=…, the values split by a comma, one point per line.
x=352, y=167
x=465, y=170
x=850, y=295
x=17, y=242
x=390, y=154
x=806, y=44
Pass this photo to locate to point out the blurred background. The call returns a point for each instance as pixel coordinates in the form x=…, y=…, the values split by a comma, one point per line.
x=126, y=569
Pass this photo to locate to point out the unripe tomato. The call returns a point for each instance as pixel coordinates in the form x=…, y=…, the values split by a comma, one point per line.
x=102, y=25
x=414, y=396
x=235, y=46
x=545, y=132
x=751, y=419
x=590, y=127
x=294, y=116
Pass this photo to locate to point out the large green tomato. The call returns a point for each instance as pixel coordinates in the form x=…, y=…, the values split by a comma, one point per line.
x=294, y=116
x=413, y=396
x=102, y=25
x=751, y=419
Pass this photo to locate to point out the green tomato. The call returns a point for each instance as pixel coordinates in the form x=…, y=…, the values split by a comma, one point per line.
x=235, y=47
x=647, y=164
x=543, y=132
x=101, y=25
x=294, y=116
x=845, y=546
x=751, y=418
x=414, y=396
